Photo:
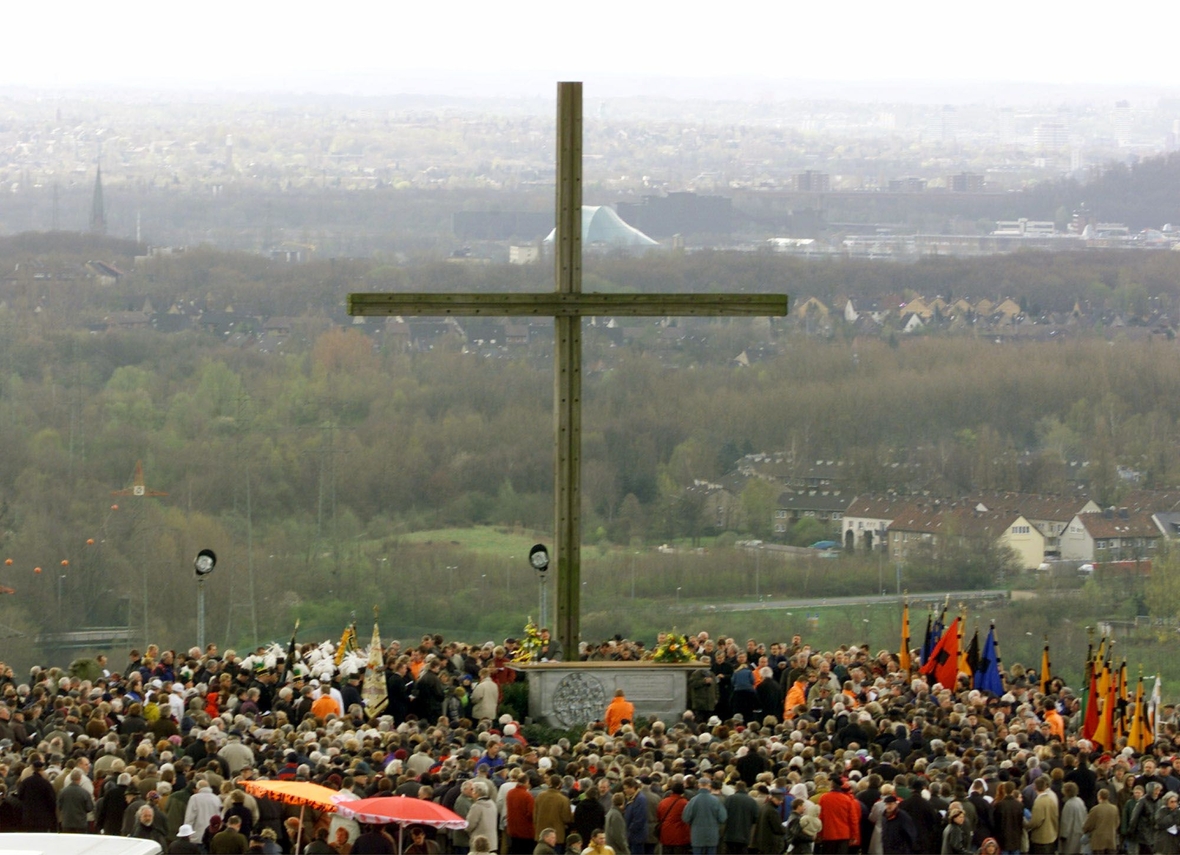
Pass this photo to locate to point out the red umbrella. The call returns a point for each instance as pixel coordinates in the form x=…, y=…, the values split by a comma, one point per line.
x=402, y=810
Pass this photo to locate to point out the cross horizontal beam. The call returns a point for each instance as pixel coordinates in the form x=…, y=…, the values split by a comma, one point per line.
x=556, y=305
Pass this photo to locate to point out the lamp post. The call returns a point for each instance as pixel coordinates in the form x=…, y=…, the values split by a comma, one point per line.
x=677, y=595
x=758, y=573
x=204, y=563
x=539, y=561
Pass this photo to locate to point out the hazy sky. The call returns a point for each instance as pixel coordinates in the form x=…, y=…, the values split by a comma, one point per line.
x=522, y=46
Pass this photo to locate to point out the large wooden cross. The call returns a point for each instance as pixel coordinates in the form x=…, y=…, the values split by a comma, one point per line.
x=567, y=305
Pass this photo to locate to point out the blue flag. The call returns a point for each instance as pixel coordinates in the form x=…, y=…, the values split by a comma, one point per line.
x=987, y=678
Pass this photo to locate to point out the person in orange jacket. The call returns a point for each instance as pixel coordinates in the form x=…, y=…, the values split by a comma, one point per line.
x=619, y=711
x=796, y=696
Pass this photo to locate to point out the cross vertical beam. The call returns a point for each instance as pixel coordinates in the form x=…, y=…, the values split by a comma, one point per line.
x=567, y=374
x=566, y=304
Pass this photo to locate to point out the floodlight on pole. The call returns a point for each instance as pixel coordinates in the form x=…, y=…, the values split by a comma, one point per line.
x=539, y=561
x=203, y=565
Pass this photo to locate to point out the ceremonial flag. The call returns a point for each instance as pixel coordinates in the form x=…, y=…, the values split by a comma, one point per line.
x=987, y=674
x=289, y=662
x=969, y=661
x=943, y=664
x=903, y=657
x=373, y=691
x=962, y=664
x=1103, y=677
x=1090, y=716
x=1046, y=668
x=1104, y=735
x=1156, y=700
x=347, y=643
x=1138, y=738
x=1123, y=704
x=928, y=641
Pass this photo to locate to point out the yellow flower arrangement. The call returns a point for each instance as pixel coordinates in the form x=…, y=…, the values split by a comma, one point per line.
x=674, y=648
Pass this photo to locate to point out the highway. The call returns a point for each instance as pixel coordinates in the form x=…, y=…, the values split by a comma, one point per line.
x=917, y=602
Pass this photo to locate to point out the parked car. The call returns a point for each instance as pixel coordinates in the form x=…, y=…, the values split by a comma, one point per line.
x=826, y=544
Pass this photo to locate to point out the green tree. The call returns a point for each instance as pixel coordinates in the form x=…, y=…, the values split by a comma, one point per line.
x=759, y=500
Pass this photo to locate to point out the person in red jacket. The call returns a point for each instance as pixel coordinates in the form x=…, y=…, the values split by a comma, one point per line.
x=518, y=806
x=675, y=834
x=840, y=813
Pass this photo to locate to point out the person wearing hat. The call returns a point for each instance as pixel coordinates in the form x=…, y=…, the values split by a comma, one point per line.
x=37, y=796
x=770, y=830
x=181, y=844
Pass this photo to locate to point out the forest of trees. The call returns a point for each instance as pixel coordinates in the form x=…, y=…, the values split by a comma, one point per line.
x=308, y=460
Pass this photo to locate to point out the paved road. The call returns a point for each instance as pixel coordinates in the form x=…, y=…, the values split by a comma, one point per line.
x=917, y=601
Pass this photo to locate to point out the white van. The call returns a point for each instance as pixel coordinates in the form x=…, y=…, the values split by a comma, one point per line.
x=76, y=844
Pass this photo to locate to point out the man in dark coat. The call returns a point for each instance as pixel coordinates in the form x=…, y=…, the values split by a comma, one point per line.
x=770, y=696
x=898, y=834
x=431, y=693
x=925, y=819
x=397, y=690
x=39, y=800
x=741, y=817
x=1008, y=817
x=769, y=833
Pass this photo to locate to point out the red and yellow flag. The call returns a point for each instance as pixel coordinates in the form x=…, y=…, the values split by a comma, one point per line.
x=943, y=664
x=903, y=656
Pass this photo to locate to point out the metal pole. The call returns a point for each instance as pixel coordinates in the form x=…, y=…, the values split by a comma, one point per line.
x=201, y=613
x=758, y=573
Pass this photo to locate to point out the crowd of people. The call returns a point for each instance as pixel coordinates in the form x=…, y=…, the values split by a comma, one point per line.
x=783, y=749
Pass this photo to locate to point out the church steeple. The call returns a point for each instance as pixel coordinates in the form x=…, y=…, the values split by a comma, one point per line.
x=98, y=220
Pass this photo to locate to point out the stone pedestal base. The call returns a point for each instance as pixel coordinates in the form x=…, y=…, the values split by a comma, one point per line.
x=566, y=694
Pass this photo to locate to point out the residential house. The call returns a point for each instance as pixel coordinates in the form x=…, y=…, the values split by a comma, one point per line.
x=1111, y=535
x=930, y=530
x=1050, y=514
x=918, y=306
x=722, y=501
x=826, y=506
x=867, y=518
x=822, y=474
x=812, y=308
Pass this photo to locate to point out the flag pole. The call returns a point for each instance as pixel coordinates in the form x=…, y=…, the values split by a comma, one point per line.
x=996, y=647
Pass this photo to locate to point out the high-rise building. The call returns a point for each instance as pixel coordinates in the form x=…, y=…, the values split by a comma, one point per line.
x=1050, y=136
x=1122, y=122
x=811, y=181
x=965, y=182
x=98, y=220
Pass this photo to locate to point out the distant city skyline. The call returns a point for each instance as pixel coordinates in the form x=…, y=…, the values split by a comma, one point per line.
x=755, y=50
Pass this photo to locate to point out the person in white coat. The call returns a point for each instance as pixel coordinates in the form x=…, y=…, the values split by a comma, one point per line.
x=485, y=697
x=482, y=819
x=202, y=807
